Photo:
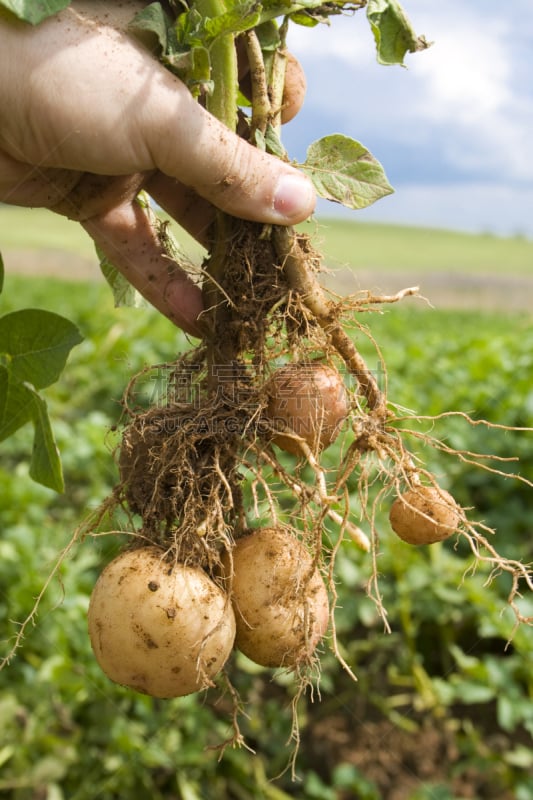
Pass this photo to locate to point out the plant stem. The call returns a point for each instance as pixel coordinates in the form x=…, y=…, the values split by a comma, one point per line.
x=222, y=102
x=277, y=78
x=261, y=109
x=304, y=282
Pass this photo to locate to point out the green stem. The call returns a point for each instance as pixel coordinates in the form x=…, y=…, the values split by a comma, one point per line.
x=222, y=103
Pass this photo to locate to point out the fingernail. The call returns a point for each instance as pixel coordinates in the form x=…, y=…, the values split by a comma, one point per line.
x=294, y=198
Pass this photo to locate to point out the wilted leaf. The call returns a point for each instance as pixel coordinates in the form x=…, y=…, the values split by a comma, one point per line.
x=392, y=31
x=37, y=344
x=344, y=171
x=34, y=11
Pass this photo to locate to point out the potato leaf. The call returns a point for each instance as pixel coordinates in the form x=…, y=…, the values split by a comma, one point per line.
x=124, y=294
x=392, y=31
x=45, y=465
x=19, y=404
x=16, y=403
x=156, y=22
x=36, y=344
x=344, y=171
x=280, y=8
x=34, y=11
x=270, y=142
x=241, y=17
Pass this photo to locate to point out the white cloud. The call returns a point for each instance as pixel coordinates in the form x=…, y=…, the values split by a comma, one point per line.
x=466, y=74
x=469, y=89
x=347, y=39
x=463, y=109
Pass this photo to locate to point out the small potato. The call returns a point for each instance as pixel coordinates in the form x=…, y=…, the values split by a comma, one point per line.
x=424, y=515
x=280, y=600
x=308, y=399
x=160, y=628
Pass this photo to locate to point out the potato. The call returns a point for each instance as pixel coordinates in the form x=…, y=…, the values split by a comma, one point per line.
x=294, y=89
x=308, y=399
x=280, y=600
x=160, y=628
x=424, y=515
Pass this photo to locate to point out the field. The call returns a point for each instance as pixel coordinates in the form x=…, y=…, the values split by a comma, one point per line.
x=442, y=709
x=453, y=270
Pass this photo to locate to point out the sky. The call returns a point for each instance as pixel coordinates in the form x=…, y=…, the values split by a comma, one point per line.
x=453, y=130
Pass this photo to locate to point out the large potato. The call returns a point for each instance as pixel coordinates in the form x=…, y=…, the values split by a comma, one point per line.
x=280, y=600
x=163, y=629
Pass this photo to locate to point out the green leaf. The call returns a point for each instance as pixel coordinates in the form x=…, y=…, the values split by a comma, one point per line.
x=281, y=8
x=124, y=294
x=45, y=465
x=198, y=79
x=19, y=404
x=392, y=31
x=344, y=171
x=268, y=35
x=471, y=692
x=16, y=403
x=305, y=19
x=242, y=17
x=273, y=143
x=155, y=21
x=37, y=344
x=34, y=11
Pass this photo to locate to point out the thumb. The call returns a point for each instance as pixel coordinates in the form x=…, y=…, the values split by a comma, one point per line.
x=189, y=144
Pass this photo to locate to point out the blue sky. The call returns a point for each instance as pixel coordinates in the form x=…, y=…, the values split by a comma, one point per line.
x=454, y=130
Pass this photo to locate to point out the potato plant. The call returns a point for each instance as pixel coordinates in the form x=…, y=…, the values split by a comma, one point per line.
x=274, y=380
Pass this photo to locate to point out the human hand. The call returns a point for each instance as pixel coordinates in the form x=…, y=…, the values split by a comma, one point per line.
x=88, y=118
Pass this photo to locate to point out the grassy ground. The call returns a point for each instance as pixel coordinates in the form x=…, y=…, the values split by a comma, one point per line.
x=452, y=269
x=395, y=247
x=344, y=242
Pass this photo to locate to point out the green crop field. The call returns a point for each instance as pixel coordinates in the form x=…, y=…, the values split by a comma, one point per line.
x=442, y=707
x=441, y=693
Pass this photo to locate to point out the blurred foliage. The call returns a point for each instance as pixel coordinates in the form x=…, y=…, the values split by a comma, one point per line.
x=442, y=710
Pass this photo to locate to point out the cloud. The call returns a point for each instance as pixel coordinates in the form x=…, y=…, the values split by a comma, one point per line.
x=469, y=89
x=475, y=207
x=461, y=115
x=467, y=72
